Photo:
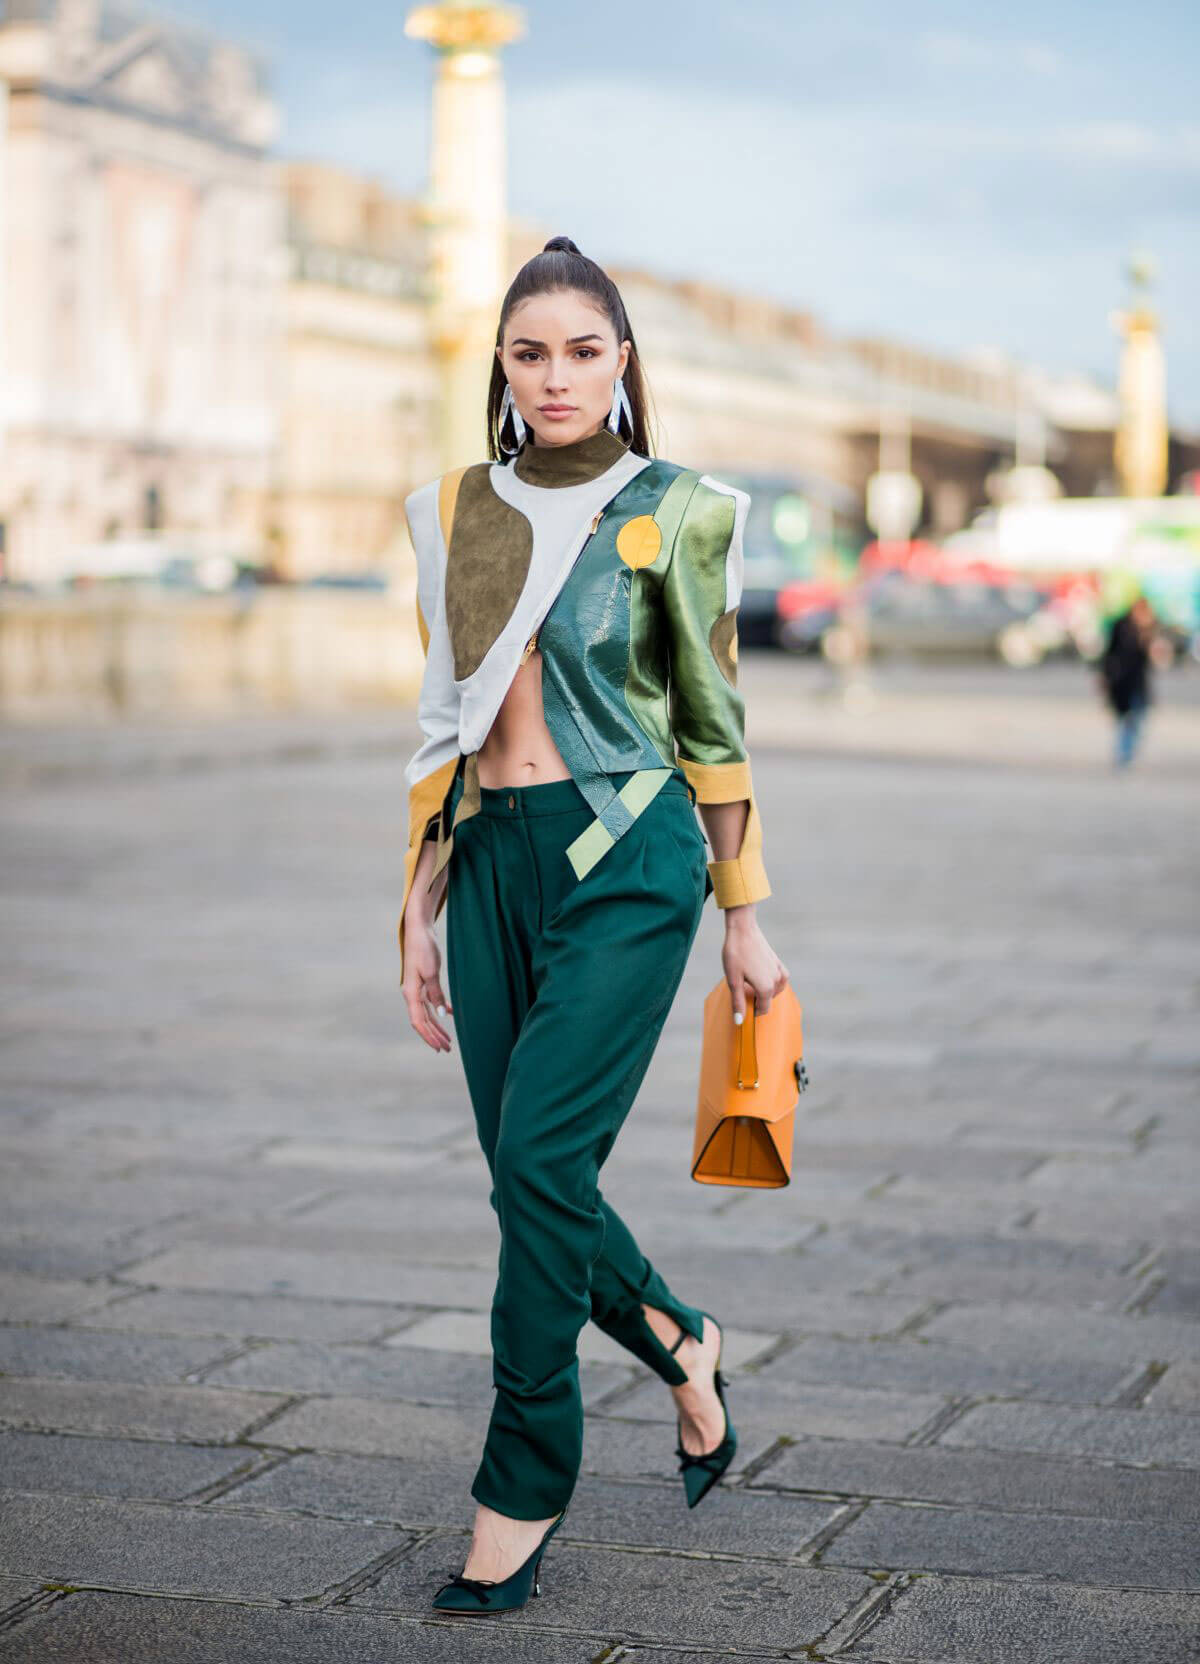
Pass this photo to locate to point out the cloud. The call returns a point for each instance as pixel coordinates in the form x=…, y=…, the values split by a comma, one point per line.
x=1105, y=142
x=937, y=231
x=960, y=52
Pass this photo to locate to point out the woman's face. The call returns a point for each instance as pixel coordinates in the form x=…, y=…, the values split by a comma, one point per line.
x=561, y=357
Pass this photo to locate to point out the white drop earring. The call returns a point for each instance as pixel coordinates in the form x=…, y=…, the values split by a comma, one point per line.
x=508, y=407
x=620, y=405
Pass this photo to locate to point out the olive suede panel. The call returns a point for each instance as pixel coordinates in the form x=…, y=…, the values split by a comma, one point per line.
x=491, y=544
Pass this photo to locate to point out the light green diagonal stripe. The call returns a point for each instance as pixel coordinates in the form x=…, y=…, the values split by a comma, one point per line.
x=639, y=790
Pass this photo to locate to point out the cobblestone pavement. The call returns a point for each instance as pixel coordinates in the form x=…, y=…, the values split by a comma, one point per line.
x=248, y=1256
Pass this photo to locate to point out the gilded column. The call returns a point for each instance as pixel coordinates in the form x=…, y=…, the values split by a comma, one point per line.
x=1140, y=447
x=467, y=207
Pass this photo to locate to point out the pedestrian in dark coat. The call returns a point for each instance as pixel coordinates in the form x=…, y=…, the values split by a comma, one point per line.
x=1125, y=677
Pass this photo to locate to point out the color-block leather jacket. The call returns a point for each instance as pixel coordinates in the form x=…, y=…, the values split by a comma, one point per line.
x=626, y=572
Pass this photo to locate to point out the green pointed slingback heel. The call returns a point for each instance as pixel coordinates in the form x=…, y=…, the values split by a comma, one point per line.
x=701, y=1472
x=480, y=1597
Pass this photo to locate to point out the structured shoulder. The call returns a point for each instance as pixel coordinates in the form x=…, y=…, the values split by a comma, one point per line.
x=441, y=483
x=714, y=516
x=710, y=489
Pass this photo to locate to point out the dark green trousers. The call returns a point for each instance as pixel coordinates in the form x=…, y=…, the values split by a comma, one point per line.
x=560, y=988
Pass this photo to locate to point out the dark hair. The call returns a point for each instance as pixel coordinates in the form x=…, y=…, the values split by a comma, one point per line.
x=560, y=265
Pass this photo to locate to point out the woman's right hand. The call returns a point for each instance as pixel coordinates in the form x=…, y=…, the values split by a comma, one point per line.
x=422, y=985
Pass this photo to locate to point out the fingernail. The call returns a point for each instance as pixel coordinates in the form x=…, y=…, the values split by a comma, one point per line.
x=739, y=1016
x=441, y=1010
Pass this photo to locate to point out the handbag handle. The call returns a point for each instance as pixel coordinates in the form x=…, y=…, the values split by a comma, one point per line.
x=747, y=1059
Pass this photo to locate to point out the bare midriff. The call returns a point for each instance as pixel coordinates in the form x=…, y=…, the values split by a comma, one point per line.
x=518, y=750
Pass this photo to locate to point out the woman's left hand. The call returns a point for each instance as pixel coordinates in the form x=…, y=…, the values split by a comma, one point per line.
x=752, y=967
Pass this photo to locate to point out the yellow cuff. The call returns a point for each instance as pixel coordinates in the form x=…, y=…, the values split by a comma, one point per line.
x=718, y=782
x=424, y=805
x=742, y=877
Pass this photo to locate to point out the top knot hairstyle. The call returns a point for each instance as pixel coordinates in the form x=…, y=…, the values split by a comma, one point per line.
x=561, y=265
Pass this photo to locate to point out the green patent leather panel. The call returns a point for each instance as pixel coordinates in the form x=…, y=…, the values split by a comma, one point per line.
x=586, y=643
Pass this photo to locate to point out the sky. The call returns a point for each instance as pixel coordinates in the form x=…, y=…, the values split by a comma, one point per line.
x=956, y=176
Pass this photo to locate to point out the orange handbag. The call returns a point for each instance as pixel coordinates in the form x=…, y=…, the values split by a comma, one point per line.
x=751, y=1078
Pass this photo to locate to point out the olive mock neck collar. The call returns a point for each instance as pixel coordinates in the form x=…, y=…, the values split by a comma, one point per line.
x=573, y=464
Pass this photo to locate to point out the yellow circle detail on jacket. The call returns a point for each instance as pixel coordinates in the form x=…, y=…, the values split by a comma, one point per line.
x=639, y=541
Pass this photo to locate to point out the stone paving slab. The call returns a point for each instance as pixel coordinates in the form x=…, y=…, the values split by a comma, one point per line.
x=96, y=1628
x=1008, y=1479
x=1061, y=1430
x=1179, y=1389
x=777, y=1297
x=470, y=1332
x=61, y=1256
x=797, y=1408
x=634, y=1596
x=1082, y=1333
x=14, y=1589
x=113, y=1467
x=967, y=1328
x=469, y=1245
x=203, y=1414
x=314, y=1275
x=1097, y=1290
x=415, y=1493
x=1180, y=1269
x=1131, y=1554
x=372, y=1426
x=247, y=1317
x=646, y=1449
x=418, y=1496
x=949, y=1620
x=25, y=1298
x=914, y=1366
x=68, y=1354
x=415, y=1373
x=168, y=1549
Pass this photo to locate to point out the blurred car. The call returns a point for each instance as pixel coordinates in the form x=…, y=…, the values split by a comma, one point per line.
x=903, y=614
x=805, y=609
x=347, y=580
x=799, y=526
x=158, y=560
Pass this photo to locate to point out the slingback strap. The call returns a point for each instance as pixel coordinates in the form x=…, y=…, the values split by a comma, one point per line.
x=683, y=1335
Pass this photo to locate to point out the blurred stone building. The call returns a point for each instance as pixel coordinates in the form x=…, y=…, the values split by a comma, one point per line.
x=359, y=388
x=140, y=241
x=198, y=338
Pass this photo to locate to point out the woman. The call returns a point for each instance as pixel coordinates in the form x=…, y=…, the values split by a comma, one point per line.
x=554, y=591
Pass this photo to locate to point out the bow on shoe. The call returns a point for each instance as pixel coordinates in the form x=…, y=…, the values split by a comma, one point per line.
x=712, y=1459
x=478, y=1586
